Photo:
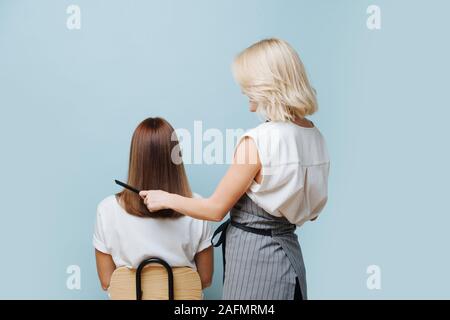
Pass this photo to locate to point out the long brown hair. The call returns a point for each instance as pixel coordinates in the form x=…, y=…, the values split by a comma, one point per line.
x=151, y=167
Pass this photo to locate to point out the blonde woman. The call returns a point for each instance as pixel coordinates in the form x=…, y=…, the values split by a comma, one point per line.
x=278, y=179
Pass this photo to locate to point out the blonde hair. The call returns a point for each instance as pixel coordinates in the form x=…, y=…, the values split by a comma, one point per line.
x=272, y=75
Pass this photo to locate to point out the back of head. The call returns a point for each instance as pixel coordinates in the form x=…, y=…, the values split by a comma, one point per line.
x=151, y=167
x=272, y=75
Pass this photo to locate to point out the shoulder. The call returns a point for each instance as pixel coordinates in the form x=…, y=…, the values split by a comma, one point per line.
x=257, y=134
x=107, y=205
x=271, y=130
x=262, y=129
x=321, y=150
x=265, y=136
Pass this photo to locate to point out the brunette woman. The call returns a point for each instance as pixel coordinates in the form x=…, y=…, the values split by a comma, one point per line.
x=126, y=233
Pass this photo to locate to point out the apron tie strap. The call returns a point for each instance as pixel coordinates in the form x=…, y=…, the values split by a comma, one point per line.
x=222, y=229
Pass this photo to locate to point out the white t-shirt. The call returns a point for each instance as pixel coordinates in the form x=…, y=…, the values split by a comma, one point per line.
x=295, y=167
x=130, y=239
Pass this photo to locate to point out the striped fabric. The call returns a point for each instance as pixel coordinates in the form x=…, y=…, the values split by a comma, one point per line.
x=258, y=266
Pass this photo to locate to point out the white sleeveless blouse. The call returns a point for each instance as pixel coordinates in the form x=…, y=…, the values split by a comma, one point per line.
x=295, y=168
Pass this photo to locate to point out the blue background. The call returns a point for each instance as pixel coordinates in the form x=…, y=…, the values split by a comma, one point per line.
x=70, y=100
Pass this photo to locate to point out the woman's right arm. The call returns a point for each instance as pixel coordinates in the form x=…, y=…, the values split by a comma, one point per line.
x=237, y=180
x=204, y=260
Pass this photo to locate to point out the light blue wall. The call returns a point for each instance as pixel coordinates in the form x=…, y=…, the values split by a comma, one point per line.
x=70, y=99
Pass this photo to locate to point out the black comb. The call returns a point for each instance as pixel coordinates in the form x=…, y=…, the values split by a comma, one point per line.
x=120, y=183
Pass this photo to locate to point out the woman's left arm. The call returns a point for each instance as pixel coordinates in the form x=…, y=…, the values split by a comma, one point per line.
x=237, y=180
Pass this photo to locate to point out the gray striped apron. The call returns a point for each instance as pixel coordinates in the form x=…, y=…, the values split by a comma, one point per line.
x=261, y=255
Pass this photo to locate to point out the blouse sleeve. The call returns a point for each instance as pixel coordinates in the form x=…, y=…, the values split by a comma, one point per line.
x=205, y=239
x=99, y=240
